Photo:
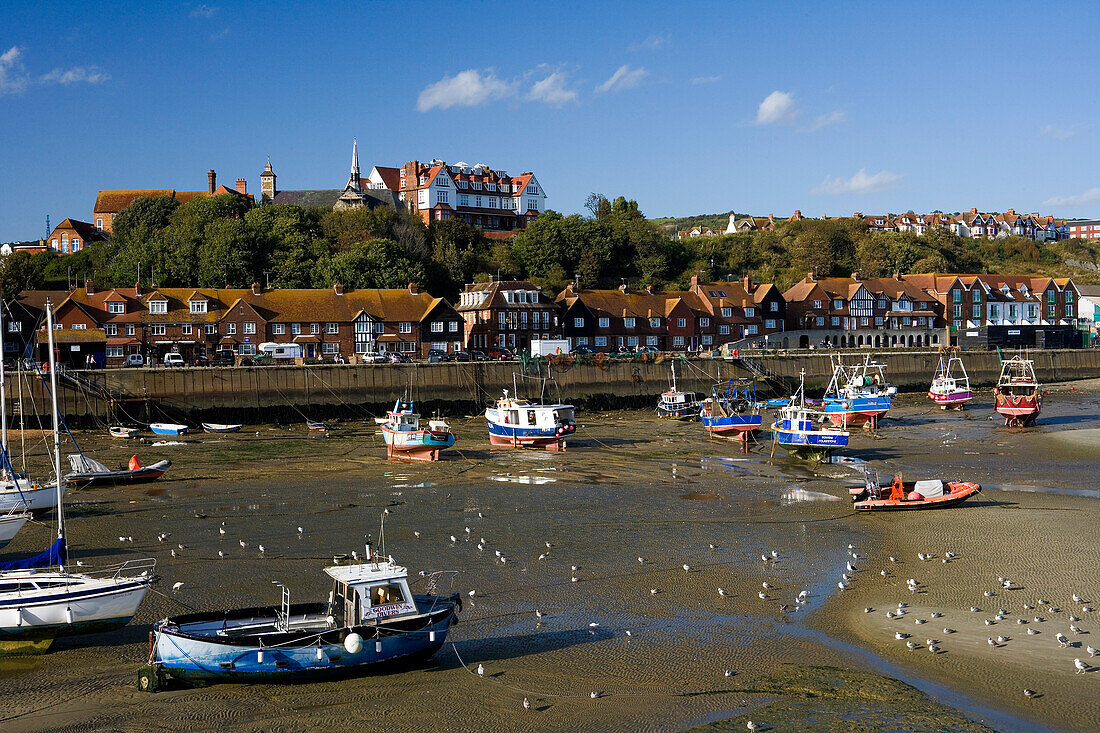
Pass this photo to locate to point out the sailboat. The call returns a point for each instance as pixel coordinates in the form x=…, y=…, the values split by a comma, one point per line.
x=37, y=606
x=17, y=493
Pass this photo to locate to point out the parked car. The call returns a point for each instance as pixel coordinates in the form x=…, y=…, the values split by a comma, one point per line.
x=134, y=360
x=374, y=357
x=396, y=357
x=500, y=354
x=649, y=350
x=200, y=361
x=460, y=356
x=223, y=357
x=435, y=355
x=479, y=355
x=174, y=360
x=584, y=350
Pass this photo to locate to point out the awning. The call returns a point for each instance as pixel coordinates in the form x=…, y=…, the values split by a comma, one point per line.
x=162, y=343
x=185, y=342
x=229, y=339
x=388, y=337
x=307, y=340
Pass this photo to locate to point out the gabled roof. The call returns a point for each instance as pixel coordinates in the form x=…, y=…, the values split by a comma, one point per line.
x=112, y=202
x=86, y=231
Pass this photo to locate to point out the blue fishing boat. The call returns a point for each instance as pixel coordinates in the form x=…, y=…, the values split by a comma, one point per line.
x=406, y=439
x=735, y=412
x=799, y=429
x=371, y=618
x=857, y=395
x=525, y=424
x=167, y=428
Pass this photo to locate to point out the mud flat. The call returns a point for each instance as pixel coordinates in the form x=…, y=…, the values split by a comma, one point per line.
x=629, y=487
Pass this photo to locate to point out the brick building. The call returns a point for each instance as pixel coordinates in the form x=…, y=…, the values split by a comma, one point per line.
x=506, y=313
x=72, y=235
x=109, y=203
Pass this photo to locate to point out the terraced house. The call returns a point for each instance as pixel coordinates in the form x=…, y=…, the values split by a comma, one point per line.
x=507, y=314
x=195, y=322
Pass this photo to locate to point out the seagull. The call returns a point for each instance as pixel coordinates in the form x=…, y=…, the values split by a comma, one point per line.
x=1092, y=652
x=453, y=539
x=752, y=726
x=1028, y=607
x=467, y=530
x=480, y=670
x=503, y=559
x=912, y=645
x=902, y=604
x=1077, y=598
x=851, y=546
x=893, y=559
x=416, y=533
x=1075, y=619
x=654, y=591
x=244, y=544
x=542, y=556
x=538, y=613
x=948, y=631
x=900, y=635
x=173, y=553
x=628, y=633
x=1029, y=693
x=471, y=593
x=765, y=585
x=763, y=595
x=262, y=549
x=1062, y=640
x=950, y=555
x=974, y=609
x=176, y=587
x=573, y=579
x=641, y=560
x=868, y=610
x=933, y=648
x=162, y=536
x=300, y=530
x=480, y=546
x=1043, y=603
x=1086, y=609
x=851, y=568
x=497, y=552
x=526, y=704
x=571, y=567
x=1074, y=629
x=1021, y=621
x=802, y=594
x=889, y=614
x=548, y=545
x=594, y=695
x=221, y=554
x=1081, y=666
x=988, y=594
x=842, y=585
x=1002, y=639
x=775, y=555
x=1031, y=631
x=884, y=572
x=764, y=558
x=920, y=621
x=480, y=515
x=991, y=642
x=989, y=622
x=722, y=592
x=687, y=568
x=221, y=530
x=937, y=614
x=729, y=673
x=1039, y=619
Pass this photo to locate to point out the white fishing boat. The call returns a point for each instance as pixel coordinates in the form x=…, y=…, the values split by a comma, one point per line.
x=36, y=605
x=675, y=404
x=525, y=424
x=951, y=386
x=799, y=429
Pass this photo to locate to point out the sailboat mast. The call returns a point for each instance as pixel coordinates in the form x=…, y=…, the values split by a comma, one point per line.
x=56, y=426
x=3, y=395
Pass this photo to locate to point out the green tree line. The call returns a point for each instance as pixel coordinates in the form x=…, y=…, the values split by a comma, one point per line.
x=221, y=241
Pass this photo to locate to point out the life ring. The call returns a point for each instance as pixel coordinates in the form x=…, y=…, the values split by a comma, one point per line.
x=845, y=405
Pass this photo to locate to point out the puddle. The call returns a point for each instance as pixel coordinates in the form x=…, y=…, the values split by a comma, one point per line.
x=794, y=495
x=700, y=496
x=1091, y=493
x=536, y=480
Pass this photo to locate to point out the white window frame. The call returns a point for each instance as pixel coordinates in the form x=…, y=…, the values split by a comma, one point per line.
x=158, y=306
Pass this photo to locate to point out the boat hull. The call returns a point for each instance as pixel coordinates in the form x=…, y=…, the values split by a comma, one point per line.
x=93, y=610
x=679, y=412
x=951, y=399
x=538, y=438
x=118, y=432
x=855, y=411
x=141, y=475
x=816, y=439
x=168, y=429
x=1018, y=409
x=204, y=659
x=10, y=524
x=212, y=428
x=959, y=493
x=40, y=499
x=735, y=424
x=420, y=445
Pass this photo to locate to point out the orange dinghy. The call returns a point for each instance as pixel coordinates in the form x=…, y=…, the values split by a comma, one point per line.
x=900, y=495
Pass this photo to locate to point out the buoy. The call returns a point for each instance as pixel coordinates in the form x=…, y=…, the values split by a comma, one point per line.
x=135, y=462
x=68, y=615
x=19, y=617
x=260, y=657
x=320, y=653
x=353, y=643
x=378, y=647
x=431, y=636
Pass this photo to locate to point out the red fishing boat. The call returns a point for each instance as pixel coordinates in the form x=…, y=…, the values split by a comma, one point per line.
x=900, y=495
x=1018, y=394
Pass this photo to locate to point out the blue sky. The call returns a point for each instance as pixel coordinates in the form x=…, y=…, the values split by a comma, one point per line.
x=763, y=107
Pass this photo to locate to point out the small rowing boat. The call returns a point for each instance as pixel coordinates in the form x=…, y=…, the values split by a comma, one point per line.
x=167, y=428
x=213, y=427
x=118, y=431
x=316, y=425
x=90, y=472
x=904, y=495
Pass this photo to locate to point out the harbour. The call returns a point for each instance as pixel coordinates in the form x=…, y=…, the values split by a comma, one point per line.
x=632, y=501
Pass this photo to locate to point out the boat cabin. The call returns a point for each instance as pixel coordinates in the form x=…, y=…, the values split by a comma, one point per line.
x=366, y=593
x=524, y=414
x=678, y=399
x=404, y=421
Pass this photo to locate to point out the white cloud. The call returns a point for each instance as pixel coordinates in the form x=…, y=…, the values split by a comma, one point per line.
x=552, y=90
x=697, y=80
x=833, y=118
x=466, y=89
x=1059, y=133
x=778, y=108
x=861, y=182
x=204, y=11
x=623, y=78
x=12, y=78
x=651, y=42
x=76, y=75
x=1092, y=196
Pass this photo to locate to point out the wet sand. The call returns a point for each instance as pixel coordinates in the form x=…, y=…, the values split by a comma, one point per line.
x=629, y=487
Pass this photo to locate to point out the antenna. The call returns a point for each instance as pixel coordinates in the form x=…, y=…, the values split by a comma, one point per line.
x=48, y=230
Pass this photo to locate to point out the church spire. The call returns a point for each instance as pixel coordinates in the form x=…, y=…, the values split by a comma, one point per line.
x=353, y=179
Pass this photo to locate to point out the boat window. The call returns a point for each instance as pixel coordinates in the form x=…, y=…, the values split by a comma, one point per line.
x=531, y=417
x=52, y=583
x=511, y=416
x=384, y=595
x=16, y=587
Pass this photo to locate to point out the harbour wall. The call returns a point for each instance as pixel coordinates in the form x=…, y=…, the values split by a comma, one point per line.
x=288, y=394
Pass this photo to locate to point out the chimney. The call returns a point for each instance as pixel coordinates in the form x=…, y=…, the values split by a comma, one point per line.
x=137, y=288
x=973, y=210
x=649, y=289
x=858, y=215
x=338, y=289
x=771, y=217
x=256, y=289
x=855, y=275
x=897, y=276
x=1011, y=212
x=210, y=178
x=694, y=281
x=810, y=276
x=797, y=214
x=242, y=185
x=412, y=288
x=747, y=283
x=89, y=287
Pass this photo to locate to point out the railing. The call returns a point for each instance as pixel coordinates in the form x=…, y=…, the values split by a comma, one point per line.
x=142, y=567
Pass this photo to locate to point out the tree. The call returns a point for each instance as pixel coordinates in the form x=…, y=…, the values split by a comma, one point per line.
x=19, y=272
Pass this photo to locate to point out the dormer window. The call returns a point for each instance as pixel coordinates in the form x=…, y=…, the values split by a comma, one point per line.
x=158, y=306
x=116, y=308
x=198, y=306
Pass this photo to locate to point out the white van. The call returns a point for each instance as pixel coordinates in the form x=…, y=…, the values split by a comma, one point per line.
x=173, y=360
x=281, y=351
